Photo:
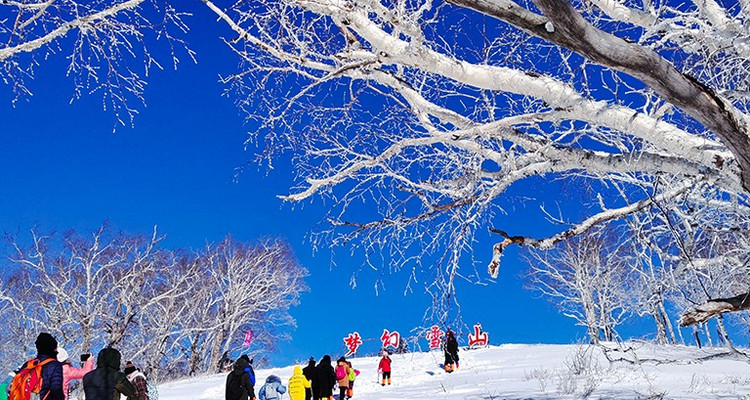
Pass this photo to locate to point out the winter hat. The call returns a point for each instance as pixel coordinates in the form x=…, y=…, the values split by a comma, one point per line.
x=129, y=368
x=246, y=358
x=341, y=359
x=62, y=355
x=45, y=344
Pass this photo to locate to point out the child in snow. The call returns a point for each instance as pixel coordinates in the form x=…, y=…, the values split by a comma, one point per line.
x=385, y=368
x=272, y=389
x=298, y=385
x=352, y=376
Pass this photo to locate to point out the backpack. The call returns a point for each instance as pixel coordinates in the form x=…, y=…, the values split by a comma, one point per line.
x=353, y=374
x=340, y=372
x=28, y=382
x=268, y=391
x=234, y=386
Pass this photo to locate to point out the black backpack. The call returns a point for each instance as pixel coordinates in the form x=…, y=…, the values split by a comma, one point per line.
x=235, y=390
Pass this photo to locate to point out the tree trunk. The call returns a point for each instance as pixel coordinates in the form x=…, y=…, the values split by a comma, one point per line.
x=707, y=310
x=661, y=328
x=670, y=328
x=709, y=339
x=724, y=334
x=697, y=336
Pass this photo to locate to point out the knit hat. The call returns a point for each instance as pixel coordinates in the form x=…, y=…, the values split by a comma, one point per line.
x=45, y=344
x=129, y=368
x=341, y=359
x=62, y=355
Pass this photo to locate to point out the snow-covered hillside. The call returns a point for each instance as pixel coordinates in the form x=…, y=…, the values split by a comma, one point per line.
x=517, y=372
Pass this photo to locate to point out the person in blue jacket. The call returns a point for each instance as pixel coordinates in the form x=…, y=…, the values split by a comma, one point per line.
x=249, y=368
x=273, y=389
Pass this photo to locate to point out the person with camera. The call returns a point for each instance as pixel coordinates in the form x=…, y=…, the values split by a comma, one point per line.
x=70, y=372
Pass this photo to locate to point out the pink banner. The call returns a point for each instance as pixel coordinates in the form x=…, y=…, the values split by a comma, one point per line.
x=248, y=338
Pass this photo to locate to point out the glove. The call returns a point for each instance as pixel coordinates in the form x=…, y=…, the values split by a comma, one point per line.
x=380, y=371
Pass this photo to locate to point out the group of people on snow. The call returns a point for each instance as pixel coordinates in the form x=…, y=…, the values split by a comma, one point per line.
x=316, y=382
x=308, y=383
x=49, y=375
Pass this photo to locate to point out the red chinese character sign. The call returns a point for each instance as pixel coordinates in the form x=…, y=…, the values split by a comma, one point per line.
x=434, y=337
x=479, y=338
x=390, y=339
x=352, y=342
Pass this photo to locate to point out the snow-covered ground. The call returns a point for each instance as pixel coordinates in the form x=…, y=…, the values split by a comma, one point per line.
x=516, y=372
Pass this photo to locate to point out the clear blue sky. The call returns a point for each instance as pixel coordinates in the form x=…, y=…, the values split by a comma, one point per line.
x=62, y=167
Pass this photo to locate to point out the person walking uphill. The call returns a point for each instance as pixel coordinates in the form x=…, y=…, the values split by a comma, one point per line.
x=342, y=377
x=272, y=389
x=70, y=372
x=106, y=382
x=309, y=373
x=51, y=371
x=451, y=352
x=325, y=379
x=299, y=385
x=385, y=368
x=353, y=373
x=238, y=385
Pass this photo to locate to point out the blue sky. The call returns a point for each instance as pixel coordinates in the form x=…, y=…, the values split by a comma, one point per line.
x=62, y=167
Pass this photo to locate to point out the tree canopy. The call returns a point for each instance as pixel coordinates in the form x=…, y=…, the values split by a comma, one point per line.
x=425, y=113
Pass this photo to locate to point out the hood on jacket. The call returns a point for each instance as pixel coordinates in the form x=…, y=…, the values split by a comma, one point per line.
x=297, y=370
x=108, y=357
x=272, y=379
x=239, y=366
x=326, y=361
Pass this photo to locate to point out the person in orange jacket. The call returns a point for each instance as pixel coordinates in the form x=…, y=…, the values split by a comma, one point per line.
x=342, y=377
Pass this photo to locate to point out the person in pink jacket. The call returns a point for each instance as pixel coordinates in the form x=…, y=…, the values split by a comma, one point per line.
x=71, y=373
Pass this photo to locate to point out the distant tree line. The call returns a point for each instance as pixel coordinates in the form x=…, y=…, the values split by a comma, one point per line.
x=175, y=312
x=654, y=264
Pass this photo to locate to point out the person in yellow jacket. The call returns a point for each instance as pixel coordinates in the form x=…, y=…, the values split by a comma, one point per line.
x=297, y=384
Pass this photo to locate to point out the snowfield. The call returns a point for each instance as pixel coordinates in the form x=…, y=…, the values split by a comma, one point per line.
x=517, y=372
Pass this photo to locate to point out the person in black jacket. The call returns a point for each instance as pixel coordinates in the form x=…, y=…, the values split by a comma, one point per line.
x=326, y=379
x=52, y=373
x=309, y=373
x=238, y=382
x=451, y=352
x=106, y=382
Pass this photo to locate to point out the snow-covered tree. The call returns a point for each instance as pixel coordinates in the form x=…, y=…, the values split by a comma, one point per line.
x=424, y=113
x=588, y=280
x=173, y=312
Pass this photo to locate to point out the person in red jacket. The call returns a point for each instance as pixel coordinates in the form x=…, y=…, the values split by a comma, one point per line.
x=385, y=368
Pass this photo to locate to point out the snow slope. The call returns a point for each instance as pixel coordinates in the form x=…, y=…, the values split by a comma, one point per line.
x=518, y=372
